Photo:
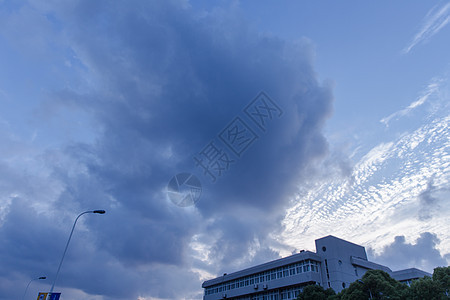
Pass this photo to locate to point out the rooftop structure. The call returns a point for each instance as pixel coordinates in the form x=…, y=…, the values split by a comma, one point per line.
x=336, y=263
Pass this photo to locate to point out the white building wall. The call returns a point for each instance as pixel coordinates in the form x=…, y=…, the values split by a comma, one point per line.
x=341, y=263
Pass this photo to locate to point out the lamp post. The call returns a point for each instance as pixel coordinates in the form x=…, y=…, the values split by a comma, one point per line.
x=39, y=278
x=68, y=241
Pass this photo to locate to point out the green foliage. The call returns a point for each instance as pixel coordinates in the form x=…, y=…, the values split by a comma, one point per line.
x=436, y=288
x=442, y=276
x=315, y=292
x=353, y=292
x=377, y=284
x=425, y=288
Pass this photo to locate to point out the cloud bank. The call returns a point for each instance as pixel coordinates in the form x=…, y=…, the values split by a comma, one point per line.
x=422, y=254
x=144, y=87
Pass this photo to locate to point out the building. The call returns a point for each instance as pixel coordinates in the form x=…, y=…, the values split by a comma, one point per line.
x=336, y=263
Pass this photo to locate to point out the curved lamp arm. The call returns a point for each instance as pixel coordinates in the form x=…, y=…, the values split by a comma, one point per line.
x=101, y=212
x=28, y=285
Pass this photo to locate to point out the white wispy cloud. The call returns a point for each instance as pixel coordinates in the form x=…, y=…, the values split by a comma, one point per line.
x=431, y=89
x=434, y=21
x=383, y=195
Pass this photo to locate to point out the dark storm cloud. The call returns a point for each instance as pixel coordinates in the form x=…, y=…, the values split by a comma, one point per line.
x=24, y=249
x=164, y=81
x=423, y=254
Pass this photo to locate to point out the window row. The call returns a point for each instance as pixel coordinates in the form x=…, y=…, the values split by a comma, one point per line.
x=283, y=294
x=288, y=270
x=291, y=293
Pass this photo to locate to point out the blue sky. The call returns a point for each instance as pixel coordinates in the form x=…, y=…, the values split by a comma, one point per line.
x=101, y=104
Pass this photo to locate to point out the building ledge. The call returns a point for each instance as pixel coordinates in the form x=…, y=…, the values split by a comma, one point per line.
x=369, y=265
x=409, y=274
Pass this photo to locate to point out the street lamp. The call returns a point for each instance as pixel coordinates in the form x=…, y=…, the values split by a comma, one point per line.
x=39, y=278
x=101, y=212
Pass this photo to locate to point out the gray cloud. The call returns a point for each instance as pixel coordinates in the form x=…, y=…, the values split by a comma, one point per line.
x=423, y=254
x=428, y=201
x=161, y=82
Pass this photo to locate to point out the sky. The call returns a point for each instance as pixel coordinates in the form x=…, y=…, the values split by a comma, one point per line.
x=217, y=135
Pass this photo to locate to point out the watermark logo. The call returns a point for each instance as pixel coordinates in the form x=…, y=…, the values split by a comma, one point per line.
x=238, y=136
x=213, y=160
x=262, y=110
x=222, y=152
x=184, y=189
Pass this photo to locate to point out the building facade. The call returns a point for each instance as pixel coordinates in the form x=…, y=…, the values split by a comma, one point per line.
x=336, y=263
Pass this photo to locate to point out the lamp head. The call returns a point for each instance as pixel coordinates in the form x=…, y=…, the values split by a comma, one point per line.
x=99, y=212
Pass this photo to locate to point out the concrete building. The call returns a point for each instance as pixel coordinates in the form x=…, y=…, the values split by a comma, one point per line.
x=336, y=263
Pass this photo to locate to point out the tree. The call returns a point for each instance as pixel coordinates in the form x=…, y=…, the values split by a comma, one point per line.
x=315, y=292
x=375, y=284
x=425, y=288
x=354, y=292
x=442, y=276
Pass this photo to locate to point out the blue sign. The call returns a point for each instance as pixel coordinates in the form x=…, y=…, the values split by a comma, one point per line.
x=54, y=296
